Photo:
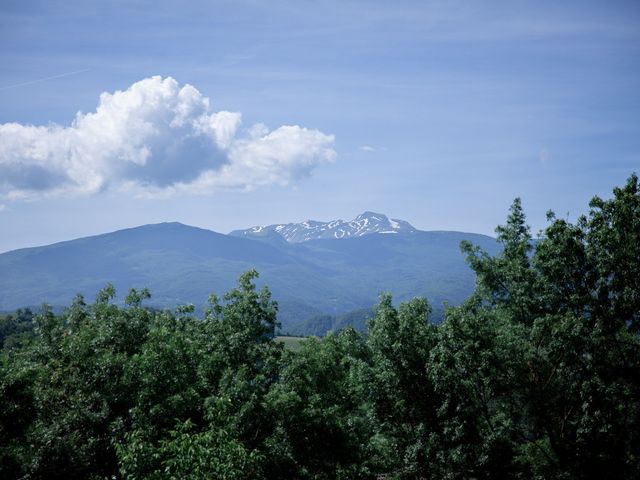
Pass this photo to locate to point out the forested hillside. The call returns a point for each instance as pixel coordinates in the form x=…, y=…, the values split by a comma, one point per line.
x=535, y=375
x=182, y=264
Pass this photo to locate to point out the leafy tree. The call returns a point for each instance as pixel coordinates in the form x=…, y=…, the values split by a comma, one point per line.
x=321, y=428
x=479, y=358
x=572, y=306
x=202, y=382
x=506, y=281
x=402, y=394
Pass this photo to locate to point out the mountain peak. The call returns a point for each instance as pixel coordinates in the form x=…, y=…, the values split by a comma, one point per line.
x=372, y=216
x=364, y=224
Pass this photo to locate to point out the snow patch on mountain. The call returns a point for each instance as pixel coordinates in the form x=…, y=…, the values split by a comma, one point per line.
x=364, y=224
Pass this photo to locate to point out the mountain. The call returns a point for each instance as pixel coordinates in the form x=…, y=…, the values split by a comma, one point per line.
x=364, y=224
x=182, y=264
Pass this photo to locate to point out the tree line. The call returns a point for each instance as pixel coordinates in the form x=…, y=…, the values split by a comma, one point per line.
x=536, y=375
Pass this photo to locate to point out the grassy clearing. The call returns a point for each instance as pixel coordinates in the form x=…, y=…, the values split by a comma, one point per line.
x=291, y=343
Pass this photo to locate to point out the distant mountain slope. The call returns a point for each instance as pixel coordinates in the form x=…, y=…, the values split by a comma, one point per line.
x=364, y=224
x=320, y=325
x=182, y=264
x=170, y=257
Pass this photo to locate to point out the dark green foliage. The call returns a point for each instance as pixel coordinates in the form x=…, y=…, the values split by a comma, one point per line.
x=321, y=423
x=400, y=391
x=568, y=312
x=104, y=389
x=202, y=385
x=16, y=328
x=536, y=375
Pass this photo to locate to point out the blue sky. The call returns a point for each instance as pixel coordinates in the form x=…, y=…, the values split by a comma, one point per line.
x=439, y=113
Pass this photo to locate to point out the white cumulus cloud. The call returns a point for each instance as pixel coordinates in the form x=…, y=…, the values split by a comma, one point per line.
x=155, y=138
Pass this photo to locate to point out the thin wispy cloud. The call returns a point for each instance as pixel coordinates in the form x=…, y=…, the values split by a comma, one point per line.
x=39, y=80
x=156, y=138
x=367, y=148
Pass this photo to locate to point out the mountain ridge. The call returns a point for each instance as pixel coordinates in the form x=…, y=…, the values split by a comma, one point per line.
x=183, y=264
x=365, y=223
